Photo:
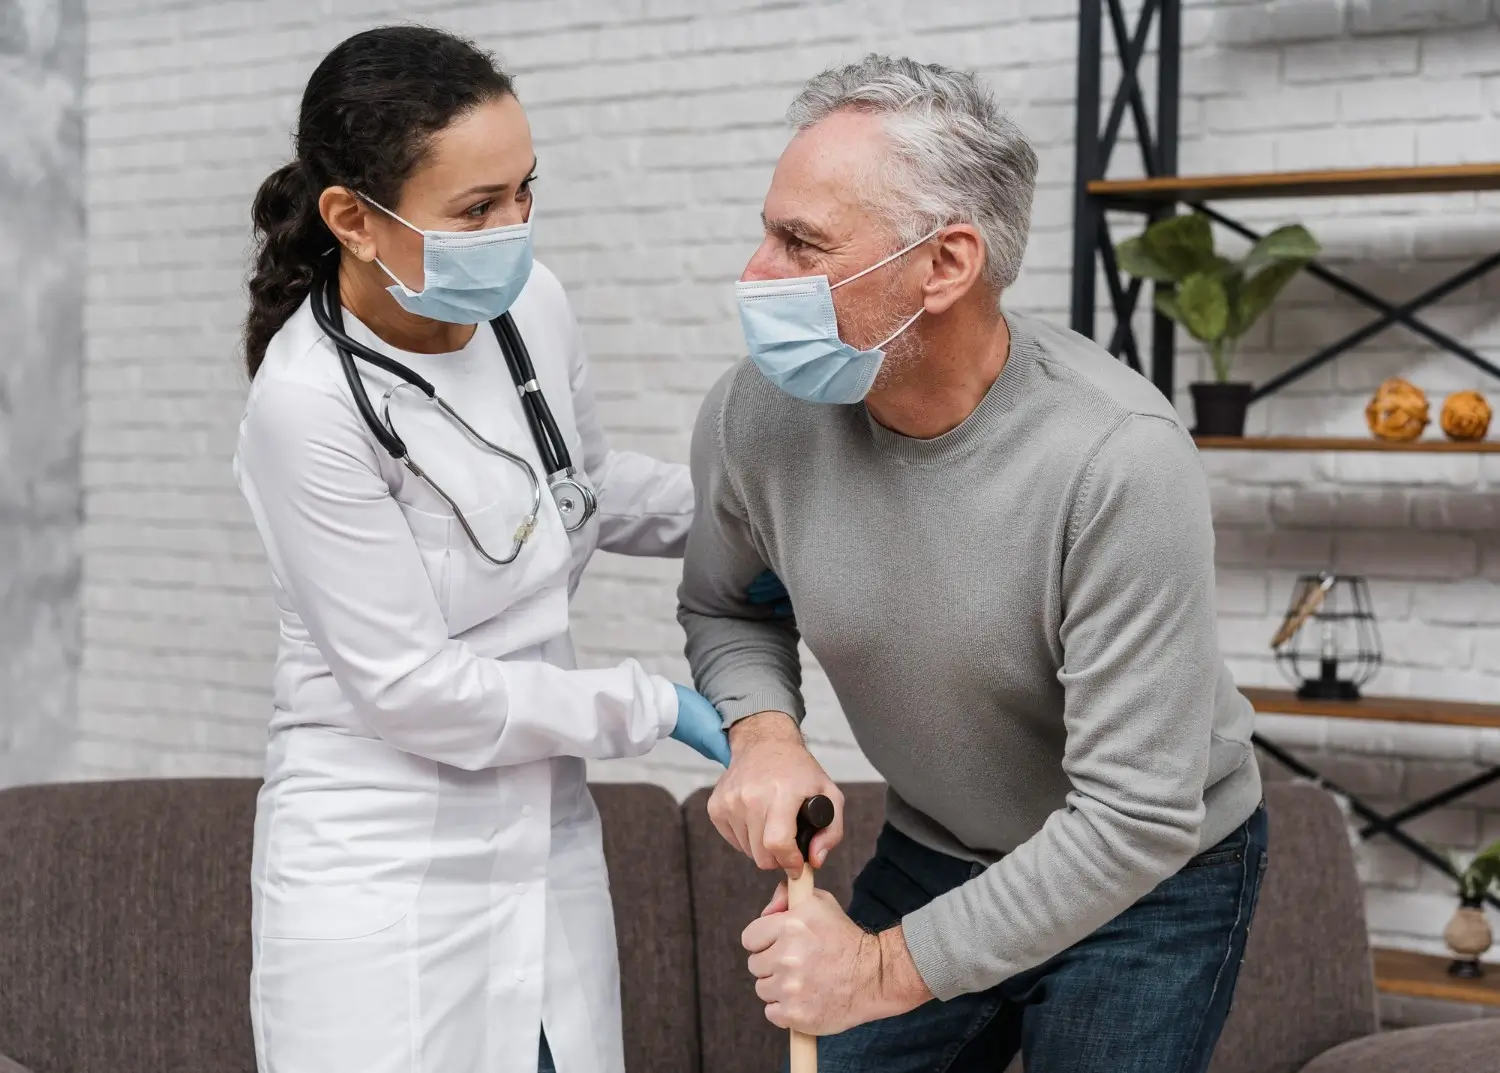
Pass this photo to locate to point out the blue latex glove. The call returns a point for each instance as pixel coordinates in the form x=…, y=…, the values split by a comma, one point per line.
x=768, y=589
x=699, y=725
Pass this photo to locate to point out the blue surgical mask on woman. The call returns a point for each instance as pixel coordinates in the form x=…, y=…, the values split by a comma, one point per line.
x=468, y=277
x=792, y=332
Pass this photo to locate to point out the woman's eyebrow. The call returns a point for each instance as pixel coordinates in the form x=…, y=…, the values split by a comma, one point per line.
x=490, y=188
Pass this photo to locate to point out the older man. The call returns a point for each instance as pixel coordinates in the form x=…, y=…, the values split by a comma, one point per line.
x=999, y=546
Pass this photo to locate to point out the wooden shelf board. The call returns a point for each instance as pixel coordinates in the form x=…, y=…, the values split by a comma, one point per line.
x=1446, y=179
x=1378, y=709
x=1344, y=443
x=1402, y=972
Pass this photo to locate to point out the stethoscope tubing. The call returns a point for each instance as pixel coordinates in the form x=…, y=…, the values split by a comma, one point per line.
x=576, y=500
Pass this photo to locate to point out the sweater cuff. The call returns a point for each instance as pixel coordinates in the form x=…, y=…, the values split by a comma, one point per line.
x=927, y=952
x=744, y=705
x=937, y=941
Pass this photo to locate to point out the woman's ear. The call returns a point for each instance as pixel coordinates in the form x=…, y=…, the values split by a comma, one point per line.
x=349, y=219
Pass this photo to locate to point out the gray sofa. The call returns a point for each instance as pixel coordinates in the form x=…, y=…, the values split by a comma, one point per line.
x=124, y=940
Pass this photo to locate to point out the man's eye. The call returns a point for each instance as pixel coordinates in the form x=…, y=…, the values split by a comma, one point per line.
x=794, y=244
x=480, y=211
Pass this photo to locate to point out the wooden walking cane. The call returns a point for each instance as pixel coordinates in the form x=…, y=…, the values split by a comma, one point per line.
x=815, y=814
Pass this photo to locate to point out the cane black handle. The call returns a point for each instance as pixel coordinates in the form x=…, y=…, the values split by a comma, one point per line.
x=815, y=814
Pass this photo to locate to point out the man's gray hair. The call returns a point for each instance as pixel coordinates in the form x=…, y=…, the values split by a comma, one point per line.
x=955, y=157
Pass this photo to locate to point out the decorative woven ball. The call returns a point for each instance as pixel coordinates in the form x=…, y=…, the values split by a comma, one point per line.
x=1398, y=411
x=1466, y=416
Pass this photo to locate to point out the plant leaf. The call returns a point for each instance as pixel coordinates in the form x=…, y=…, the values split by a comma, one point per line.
x=1291, y=243
x=1204, y=306
x=1166, y=304
x=1257, y=294
x=1136, y=260
x=1184, y=244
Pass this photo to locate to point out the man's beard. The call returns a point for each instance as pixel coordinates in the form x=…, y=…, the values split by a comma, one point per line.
x=864, y=322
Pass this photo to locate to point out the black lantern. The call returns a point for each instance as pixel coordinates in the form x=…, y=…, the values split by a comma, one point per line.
x=1327, y=645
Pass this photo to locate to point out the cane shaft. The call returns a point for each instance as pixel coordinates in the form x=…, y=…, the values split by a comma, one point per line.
x=804, y=1047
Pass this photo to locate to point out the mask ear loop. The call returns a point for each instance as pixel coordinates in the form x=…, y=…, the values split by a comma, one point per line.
x=394, y=278
x=910, y=321
x=880, y=264
x=888, y=260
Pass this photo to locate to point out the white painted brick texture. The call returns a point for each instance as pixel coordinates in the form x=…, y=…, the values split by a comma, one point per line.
x=657, y=126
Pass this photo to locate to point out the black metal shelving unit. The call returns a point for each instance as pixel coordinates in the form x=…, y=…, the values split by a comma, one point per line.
x=1159, y=23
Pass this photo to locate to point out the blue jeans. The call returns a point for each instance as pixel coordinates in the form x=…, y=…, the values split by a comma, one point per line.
x=544, y=1058
x=1146, y=993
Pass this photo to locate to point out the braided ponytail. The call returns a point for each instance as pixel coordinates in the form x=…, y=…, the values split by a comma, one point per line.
x=290, y=238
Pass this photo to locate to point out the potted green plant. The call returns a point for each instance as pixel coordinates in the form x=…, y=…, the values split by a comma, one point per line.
x=1468, y=934
x=1215, y=298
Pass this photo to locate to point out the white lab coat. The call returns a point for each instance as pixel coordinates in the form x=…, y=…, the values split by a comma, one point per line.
x=428, y=881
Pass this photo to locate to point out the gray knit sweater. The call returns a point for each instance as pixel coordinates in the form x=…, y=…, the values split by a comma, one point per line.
x=1018, y=620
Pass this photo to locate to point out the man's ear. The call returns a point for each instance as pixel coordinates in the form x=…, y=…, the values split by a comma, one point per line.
x=957, y=266
x=348, y=218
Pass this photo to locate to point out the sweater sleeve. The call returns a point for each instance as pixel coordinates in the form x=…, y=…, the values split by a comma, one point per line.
x=1141, y=657
x=743, y=659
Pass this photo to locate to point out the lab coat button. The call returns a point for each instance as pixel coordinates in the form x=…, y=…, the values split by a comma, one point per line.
x=526, y=811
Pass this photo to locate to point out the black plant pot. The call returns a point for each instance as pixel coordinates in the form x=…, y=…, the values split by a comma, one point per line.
x=1220, y=408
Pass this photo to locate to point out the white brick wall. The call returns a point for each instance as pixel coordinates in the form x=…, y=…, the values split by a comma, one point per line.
x=657, y=126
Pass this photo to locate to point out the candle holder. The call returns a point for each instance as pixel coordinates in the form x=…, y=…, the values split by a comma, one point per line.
x=1328, y=646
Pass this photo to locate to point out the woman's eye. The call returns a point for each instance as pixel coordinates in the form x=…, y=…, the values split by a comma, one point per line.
x=480, y=211
x=524, y=192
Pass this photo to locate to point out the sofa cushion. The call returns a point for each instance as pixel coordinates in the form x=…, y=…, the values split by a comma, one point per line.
x=1465, y=1047
x=646, y=852
x=124, y=926
x=728, y=893
x=1307, y=983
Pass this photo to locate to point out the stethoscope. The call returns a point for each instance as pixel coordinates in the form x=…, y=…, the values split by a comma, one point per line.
x=574, y=498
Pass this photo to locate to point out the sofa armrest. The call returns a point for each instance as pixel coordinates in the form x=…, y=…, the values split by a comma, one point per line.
x=1462, y=1047
x=8, y=1066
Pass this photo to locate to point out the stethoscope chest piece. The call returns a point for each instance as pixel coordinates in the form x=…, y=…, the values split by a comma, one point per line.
x=575, y=500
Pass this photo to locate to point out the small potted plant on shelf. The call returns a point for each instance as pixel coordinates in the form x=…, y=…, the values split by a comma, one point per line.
x=1215, y=298
x=1468, y=934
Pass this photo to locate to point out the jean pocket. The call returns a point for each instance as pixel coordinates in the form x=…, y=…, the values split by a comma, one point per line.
x=1216, y=857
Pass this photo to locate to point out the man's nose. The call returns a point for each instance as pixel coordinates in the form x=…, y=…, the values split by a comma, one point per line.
x=764, y=263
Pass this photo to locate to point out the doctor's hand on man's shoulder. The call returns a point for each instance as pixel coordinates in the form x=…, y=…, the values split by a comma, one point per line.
x=755, y=804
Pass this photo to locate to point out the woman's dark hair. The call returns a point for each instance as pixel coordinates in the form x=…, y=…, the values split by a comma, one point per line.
x=368, y=115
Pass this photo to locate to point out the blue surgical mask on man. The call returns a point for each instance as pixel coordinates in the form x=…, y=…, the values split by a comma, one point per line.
x=792, y=333
x=468, y=277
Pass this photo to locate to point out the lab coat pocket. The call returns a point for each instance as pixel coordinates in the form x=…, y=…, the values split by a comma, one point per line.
x=430, y=531
x=481, y=591
x=344, y=837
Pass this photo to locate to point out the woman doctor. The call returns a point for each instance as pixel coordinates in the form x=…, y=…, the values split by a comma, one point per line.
x=429, y=885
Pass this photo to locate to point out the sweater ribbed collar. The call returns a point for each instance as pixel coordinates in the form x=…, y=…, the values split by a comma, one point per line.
x=979, y=425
